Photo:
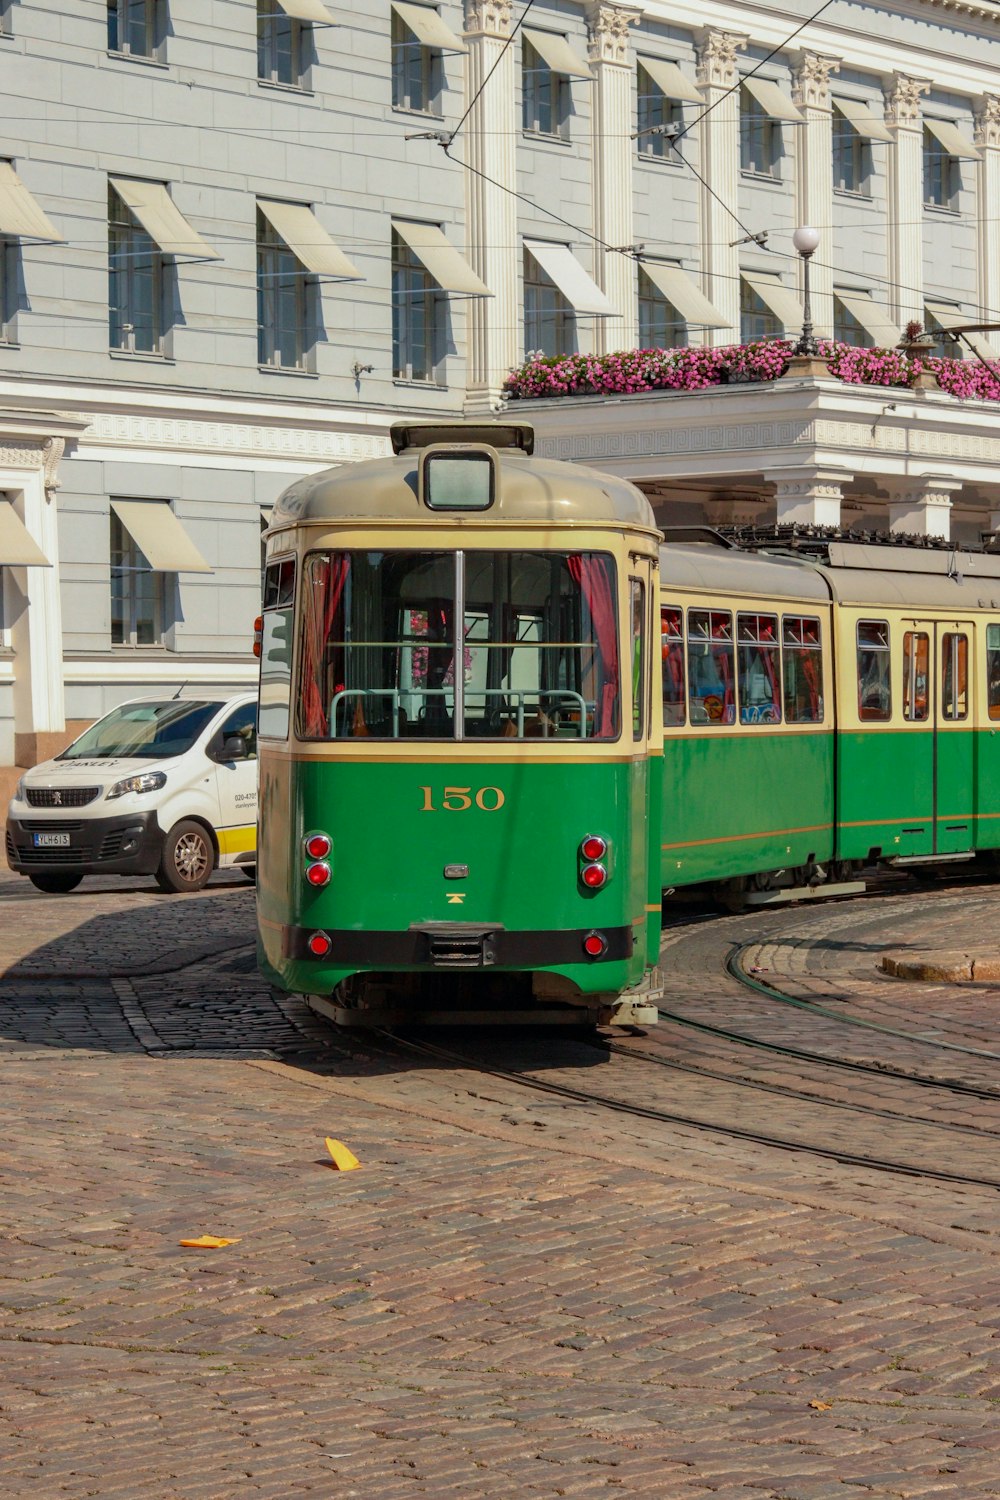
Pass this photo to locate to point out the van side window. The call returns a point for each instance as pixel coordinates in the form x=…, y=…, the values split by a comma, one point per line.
x=916, y=682
x=243, y=721
x=276, y=649
x=672, y=652
x=711, y=684
x=759, y=659
x=993, y=670
x=802, y=657
x=874, y=671
x=954, y=675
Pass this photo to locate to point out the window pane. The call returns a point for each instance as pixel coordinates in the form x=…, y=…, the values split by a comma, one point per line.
x=874, y=676
x=276, y=649
x=993, y=669
x=802, y=656
x=538, y=646
x=916, y=667
x=672, y=652
x=711, y=695
x=954, y=676
x=638, y=591
x=759, y=663
x=136, y=592
x=243, y=721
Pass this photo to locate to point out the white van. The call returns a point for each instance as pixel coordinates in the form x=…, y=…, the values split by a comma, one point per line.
x=159, y=786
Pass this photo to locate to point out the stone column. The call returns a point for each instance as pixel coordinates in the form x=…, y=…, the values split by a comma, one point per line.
x=36, y=631
x=488, y=142
x=988, y=141
x=921, y=506
x=719, y=141
x=906, y=198
x=808, y=497
x=612, y=147
x=814, y=178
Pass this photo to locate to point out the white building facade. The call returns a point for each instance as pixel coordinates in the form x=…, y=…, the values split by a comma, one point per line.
x=239, y=237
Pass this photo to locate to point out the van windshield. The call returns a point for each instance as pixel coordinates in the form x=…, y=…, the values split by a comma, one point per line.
x=153, y=730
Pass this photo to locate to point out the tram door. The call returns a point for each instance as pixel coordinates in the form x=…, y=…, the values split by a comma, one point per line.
x=937, y=692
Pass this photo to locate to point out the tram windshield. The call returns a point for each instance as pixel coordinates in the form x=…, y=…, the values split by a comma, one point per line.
x=536, y=634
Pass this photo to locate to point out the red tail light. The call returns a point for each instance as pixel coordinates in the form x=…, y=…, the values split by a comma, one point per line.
x=318, y=845
x=595, y=944
x=318, y=874
x=594, y=847
x=594, y=876
x=319, y=944
x=258, y=635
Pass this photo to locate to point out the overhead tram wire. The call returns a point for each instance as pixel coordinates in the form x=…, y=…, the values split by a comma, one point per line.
x=499, y=59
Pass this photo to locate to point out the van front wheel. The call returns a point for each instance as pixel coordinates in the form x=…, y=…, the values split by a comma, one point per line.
x=188, y=858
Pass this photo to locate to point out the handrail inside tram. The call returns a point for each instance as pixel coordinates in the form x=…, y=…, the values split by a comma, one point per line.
x=520, y=694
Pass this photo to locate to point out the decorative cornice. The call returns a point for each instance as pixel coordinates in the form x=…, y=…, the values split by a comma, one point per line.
x=811, y=89
x=26, y=455
x=902, y=104
x=607, y=32
x=181, y=434
x=488, y=17
x=988, y=121
x=717, y=58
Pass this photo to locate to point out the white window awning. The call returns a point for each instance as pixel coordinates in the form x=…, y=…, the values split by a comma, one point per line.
x=437, y=255
x=308, y=241
x=682, y=293
x=307, y=10
x=20, y=215
x=951, y=139
x=865, y=121
x=266, y=512
x=162, y=220
x=948, y=316
x=784, y=304
x=670, y=80
x=773, y=100
x=580, y=290
x=160, y=536
x=428, y=27
x=556, y=51
x=870, y=314
x=18, y=549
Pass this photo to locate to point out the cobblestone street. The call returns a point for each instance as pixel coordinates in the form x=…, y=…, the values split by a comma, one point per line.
x=518, y=1293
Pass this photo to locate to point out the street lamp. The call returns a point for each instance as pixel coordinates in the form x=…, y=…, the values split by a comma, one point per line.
x=806, y=241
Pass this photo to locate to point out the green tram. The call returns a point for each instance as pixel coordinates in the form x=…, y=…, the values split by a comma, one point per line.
x=459, y=737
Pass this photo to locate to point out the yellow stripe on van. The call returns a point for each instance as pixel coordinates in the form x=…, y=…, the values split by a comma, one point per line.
x=237, y=840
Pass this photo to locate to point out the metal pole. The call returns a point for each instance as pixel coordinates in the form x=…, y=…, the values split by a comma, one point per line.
x=807, y=342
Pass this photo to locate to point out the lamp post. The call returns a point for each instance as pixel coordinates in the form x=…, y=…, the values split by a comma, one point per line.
x=806, y=241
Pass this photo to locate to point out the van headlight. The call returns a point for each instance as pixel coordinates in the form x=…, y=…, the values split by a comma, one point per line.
x=19, y=791
x=148, y=781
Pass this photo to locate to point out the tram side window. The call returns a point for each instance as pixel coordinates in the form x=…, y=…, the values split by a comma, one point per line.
x=993, y=670
x=916, y=682
x=802, y=656
x=672, y=652
x=711, y=697
x=759, y=660
x=638, y=590
x=954, y=675
x=874, y=671
x=276, y=649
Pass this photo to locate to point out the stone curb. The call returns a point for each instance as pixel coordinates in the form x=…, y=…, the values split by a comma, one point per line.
x=944, y=967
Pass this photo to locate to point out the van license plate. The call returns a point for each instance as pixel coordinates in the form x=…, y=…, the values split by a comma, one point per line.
x=50, y=840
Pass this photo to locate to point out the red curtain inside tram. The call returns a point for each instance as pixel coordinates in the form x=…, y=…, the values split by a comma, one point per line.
x=325, y=589
x=591, y=573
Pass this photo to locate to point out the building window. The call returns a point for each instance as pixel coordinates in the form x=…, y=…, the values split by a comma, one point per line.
x=847, y=329
x=655, y=112
x=10, y=267
x=136, y=278
x=280, y=41
x=760, y=138
x=757, y=321
x=660, y=324
x=944, y=346
x=416, y=316
x=852, y=158
x=137, y=593
x=941, y=174
x=549, y=323
x=545, y=95
x=416, y=71
x=285, y=303
x=6, y=27
x=134, y=28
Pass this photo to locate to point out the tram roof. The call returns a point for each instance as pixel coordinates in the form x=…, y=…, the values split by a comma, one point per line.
x=529, y=489
x=723, y=570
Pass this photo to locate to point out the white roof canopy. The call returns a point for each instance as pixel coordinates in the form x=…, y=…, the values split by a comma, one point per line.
x=772, y=99
x=864, y=120
x=556, y=51
x=160, y=536
x=951, y=138
x=162, y=220
x=20, y=215
x=870, y=314
x=428, y=27
x=670, y=80
x=450, y=270
x=18, y=549
x=305, y=236
x=682, y=293
x=950, y=316
x=784, y=304
x=580, y=290
x=307, y=10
